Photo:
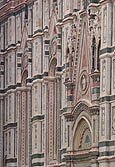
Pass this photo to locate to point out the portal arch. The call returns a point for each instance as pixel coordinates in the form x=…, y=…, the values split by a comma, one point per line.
x=82, y=126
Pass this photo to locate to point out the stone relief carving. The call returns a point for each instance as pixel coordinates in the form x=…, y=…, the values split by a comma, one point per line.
x=81, y=107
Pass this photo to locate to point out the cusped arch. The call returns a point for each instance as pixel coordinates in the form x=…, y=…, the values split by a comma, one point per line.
x=24, y=77
x=52, y=66
x=82, y=127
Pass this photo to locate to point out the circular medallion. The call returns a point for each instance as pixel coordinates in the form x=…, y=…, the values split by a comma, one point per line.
x=84, y=82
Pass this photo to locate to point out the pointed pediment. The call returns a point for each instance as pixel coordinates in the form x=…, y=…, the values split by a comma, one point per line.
x=52, y=24
x=84, y=62
x=24, y=39
x=84, y=66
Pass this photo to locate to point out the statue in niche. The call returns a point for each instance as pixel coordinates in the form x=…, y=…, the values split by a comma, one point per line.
x=83, y=82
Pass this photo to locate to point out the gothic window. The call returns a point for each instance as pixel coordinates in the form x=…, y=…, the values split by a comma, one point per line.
x=67, y=54
x=6, y=71
x=9, y=142
x=43, y=132
x=23, y=116
x=94, y=130
x=16, y=142
x=103, y=76
x=26, y=11
x=6, y=143
x=37, y=14
x=68, y=133
x=98, y=60
x=62, y=132
x=10, y=28
x=35, y=136
x=36, y=54
x=35, y=93
x=30, y=21
x=25, y=75
x=6, y=33
x=65, y=132
x=102, y=121
x=18, y=28
x=6, y=109
x=3, y=36
x=10, y=68
x=52, y=111
x=93, y=53
x=10, y=107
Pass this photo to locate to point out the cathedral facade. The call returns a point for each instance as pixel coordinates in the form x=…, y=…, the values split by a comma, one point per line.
x=57, y=83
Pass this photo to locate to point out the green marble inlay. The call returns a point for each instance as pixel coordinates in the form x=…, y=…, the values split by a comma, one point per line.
x=38, y=164
x=95, y=90
x=38, y=156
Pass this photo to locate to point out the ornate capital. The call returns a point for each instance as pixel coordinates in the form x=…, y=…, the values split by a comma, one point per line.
x=94, y=110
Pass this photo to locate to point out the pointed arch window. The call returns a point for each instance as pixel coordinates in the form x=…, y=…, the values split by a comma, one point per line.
x=98, y=60
x=67, y=54
x=52, y=113
x=93, y=53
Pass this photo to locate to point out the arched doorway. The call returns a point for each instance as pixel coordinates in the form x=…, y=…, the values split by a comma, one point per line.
x=81, y=153
x=82, y=135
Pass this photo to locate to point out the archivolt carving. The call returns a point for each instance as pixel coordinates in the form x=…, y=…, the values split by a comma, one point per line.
x=80, y=108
